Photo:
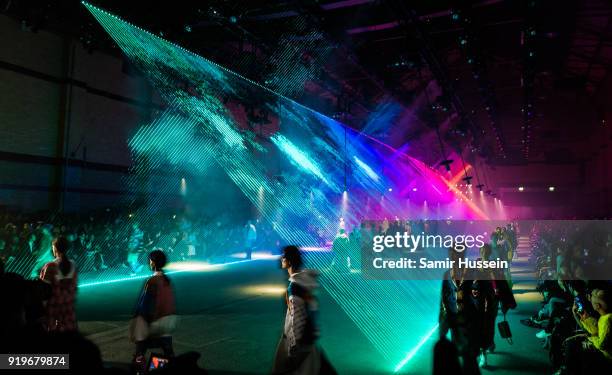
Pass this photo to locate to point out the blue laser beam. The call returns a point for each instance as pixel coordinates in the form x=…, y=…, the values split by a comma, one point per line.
x=366, y=168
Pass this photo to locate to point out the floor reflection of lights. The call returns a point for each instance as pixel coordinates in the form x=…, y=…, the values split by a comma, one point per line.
x=268, y=290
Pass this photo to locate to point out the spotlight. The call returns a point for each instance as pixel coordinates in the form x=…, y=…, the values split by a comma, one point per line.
x=521, y=188
x=213, y=12
x=183, y=189
x=414, y=189
x=187, y=28
x=551, y=188
x=390, y=189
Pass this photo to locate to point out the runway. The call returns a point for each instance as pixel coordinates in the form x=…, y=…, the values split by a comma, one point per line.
x=233, y=316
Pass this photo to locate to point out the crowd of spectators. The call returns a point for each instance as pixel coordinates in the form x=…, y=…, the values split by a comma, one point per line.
x=41, y=256
x=36, y=317
x=573, y=265
x=120, y=240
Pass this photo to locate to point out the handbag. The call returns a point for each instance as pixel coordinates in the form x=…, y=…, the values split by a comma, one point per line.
x=163, y=326
x=504, y=330
x=138, y=329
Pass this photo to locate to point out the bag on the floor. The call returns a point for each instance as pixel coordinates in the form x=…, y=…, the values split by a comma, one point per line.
x=504, y=330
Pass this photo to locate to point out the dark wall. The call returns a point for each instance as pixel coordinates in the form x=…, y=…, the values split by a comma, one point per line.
x=65, y=117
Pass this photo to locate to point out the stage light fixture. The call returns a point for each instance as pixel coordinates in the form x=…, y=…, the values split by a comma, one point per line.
x=446, y=163
x=551, y=188
x=468, y=180
x=213, y=12
x=521, y=188
x=480, y=186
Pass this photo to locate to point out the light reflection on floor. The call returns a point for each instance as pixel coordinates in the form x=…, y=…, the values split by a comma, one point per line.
x=272, y=290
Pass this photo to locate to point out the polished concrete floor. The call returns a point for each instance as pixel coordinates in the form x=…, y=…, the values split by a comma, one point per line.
x=233, y=316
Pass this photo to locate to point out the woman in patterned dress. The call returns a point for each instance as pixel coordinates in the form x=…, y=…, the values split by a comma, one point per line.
x=61, y=274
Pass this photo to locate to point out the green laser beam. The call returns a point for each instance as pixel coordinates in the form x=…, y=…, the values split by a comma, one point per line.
x=414, y=350
x=206, y=267
x=193, y=126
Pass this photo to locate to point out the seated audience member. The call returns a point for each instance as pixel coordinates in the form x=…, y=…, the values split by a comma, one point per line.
x=593, y=351
x=3, y=253
x=134, y=244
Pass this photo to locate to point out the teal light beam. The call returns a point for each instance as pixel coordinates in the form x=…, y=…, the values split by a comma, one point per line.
x=416, y=348
x=375, y=306
x=140, y=277
x=298, y=156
